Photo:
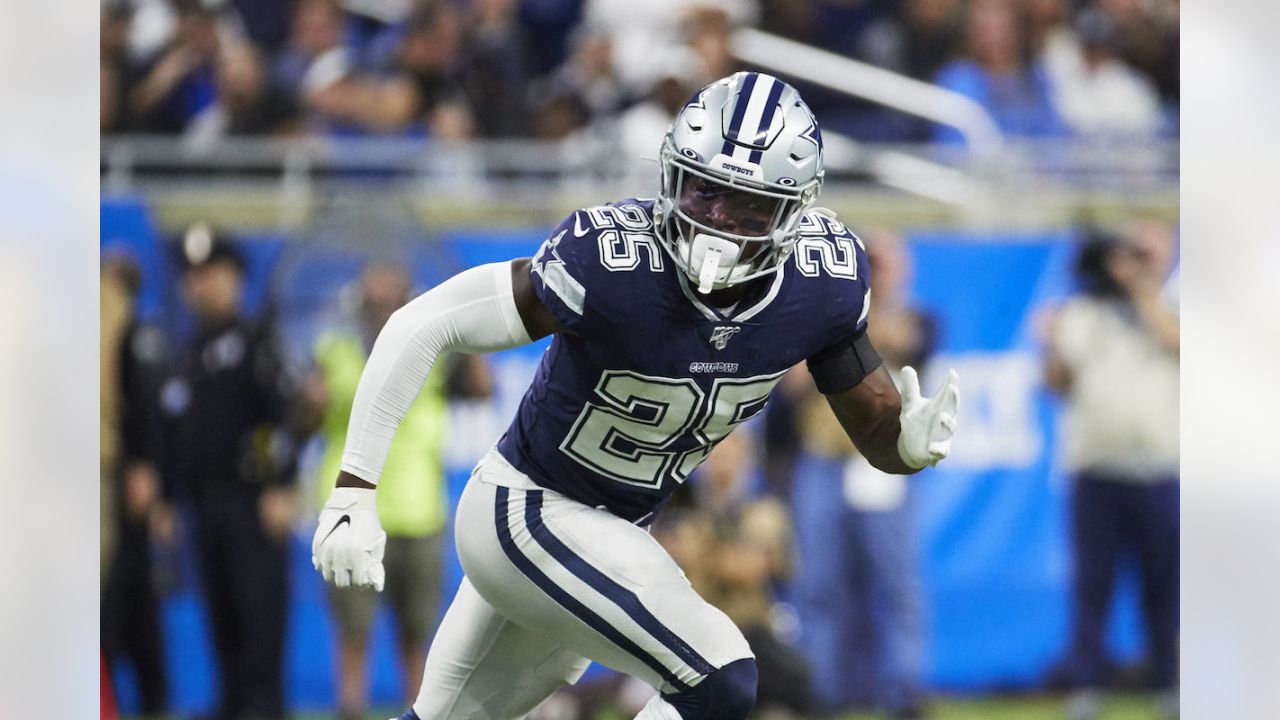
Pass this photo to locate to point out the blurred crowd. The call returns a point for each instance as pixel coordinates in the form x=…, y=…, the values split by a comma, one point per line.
x=564, y=69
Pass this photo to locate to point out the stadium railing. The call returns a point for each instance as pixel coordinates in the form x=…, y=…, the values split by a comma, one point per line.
x=281, y=182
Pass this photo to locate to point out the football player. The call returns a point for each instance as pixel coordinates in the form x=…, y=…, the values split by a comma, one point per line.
x=673, y=318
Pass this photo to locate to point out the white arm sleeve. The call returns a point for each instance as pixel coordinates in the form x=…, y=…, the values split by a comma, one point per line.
x=474, y=311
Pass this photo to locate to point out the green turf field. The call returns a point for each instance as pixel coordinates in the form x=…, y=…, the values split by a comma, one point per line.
x=1038, y=708
x=1121, y=707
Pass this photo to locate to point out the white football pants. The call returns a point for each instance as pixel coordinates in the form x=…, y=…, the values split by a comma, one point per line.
x=551, y=583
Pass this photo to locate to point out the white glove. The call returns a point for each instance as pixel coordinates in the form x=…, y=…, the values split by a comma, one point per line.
x=349, y=541
x=927, y=423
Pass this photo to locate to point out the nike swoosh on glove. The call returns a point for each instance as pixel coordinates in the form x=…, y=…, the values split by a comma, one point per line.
x=927, y=423
x=349, y=541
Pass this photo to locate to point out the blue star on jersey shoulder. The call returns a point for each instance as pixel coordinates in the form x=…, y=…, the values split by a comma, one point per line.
x=549, y=266
x=549, y=253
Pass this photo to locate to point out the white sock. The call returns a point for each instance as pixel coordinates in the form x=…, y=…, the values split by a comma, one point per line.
x=658, y=709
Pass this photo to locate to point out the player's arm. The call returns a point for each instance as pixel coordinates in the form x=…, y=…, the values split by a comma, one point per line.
x=484, y=309
x=536, y=320
x=897, y=432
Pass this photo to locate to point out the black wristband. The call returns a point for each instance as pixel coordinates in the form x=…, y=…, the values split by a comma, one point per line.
x=838, y=369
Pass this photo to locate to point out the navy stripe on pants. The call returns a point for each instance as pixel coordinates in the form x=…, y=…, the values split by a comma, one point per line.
x=567, y=601
x=603, y=584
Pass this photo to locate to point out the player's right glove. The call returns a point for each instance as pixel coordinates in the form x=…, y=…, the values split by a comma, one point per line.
x=349, y=541
x=927, y=423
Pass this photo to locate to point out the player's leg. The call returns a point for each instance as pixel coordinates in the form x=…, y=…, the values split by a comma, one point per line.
x=261, y=593
x=217, y=581
x=130, y=616
x=481, y=666
x=897, y=605
x=825, y=578
x=1097, y=529
x=1156, y=531
x=605, y=588
x=353, y=609
x=414, y=567
x=727, y=693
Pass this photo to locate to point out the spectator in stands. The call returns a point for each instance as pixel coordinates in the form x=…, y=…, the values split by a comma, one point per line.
x=427, y=61
x=587, y=79
x=1148, y=40
x=1047, y=23
x=1112, y=352
x=113, y=67
x=152, y=24
x=133, y=359
x=180, y=81
x=834, y=25
x=321, y=74
x=642, y=126
x=550, y=23
x=858, y=591
x=413, y=88
x=229, y=458
x=373, y=28
x=559, y=117
x=994, y=71
x=265, y=23
x=315, y=55
x=917, y=41
x=1097, y=94
x=710, y=32
x=792, y=19
x=641, y=33
x=245, y=104
x=415, y=508
x=495, y=69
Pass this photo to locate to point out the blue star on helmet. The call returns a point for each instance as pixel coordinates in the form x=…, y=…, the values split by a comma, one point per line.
x=813, y=134
x=696, y=101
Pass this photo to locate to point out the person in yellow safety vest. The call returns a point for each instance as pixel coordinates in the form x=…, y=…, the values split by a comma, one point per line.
x=413, y=506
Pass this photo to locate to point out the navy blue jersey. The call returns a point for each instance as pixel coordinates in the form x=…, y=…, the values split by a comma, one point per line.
x=646, y=377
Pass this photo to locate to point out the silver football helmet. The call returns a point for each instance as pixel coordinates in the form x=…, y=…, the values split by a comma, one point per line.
x=741, y=164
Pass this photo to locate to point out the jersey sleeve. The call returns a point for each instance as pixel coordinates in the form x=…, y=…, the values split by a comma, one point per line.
x=846, y=284
x=567, y=275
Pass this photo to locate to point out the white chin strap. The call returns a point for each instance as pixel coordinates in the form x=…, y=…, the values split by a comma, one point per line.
x=714, y=259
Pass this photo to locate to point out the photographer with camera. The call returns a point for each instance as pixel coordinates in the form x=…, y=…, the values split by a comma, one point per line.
x=1112, y=353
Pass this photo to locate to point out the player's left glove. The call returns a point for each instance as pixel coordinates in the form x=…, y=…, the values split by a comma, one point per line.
x=349, y=541
x=927, y=423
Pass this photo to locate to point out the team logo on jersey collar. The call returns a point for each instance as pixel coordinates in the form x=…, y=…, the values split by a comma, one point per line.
x=721, y=335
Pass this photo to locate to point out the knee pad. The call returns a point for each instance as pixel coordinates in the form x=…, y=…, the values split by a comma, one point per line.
x=726, y=694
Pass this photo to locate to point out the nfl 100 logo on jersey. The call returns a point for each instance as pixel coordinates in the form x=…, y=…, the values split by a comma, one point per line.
x=721, y=335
